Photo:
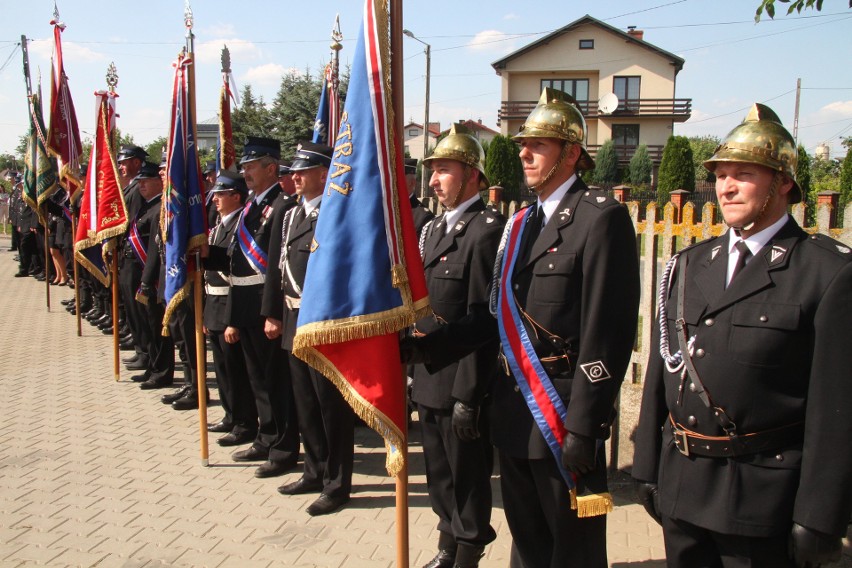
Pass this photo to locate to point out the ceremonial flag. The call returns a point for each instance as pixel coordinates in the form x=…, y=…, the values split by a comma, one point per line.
x=103, y=213
x=39, y=167
x=322, y=122
x=365, y=279
x=226, y=155
x=63, y=135
x=183, y=223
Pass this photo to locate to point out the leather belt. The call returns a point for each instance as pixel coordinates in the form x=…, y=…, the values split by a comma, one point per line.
x=216, y=290
x=252, y=280
x=292, y=303
x=692, y=443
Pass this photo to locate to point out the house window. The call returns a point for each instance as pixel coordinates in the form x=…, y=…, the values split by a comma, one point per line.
x=577, y=88
x=627, y=91
x=587, y=44
x=413, y=131
x=625, y=134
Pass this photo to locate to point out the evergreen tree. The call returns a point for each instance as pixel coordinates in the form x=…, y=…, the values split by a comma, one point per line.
x=503, y=166
x=641, y=167
x=294, y=110
x=606, y=164
x=250, y=119
x=676, y=168
x=803, y=178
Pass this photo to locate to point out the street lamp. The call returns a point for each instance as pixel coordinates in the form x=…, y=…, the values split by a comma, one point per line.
x=428, y=51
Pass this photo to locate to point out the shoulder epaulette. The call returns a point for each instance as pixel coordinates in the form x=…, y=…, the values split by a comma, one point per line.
x=598, y=198
x=830, y=244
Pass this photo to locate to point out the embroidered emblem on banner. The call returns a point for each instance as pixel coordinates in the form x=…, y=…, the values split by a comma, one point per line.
x=595, y=371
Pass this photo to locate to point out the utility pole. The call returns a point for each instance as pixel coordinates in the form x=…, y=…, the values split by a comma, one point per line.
x=796, y=117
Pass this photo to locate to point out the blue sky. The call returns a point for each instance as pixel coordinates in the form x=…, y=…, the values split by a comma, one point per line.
x=730, y=61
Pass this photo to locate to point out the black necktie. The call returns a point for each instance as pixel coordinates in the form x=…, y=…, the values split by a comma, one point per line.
x=745, y=254
x=531, y=232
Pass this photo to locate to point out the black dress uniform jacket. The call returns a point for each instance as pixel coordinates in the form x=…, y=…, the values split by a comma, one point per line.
x=215, y=306
x=580, y=283
x=244, y=302
x=458, y=267
x=772, y=350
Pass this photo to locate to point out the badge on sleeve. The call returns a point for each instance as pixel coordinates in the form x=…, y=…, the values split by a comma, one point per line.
x=595, y=371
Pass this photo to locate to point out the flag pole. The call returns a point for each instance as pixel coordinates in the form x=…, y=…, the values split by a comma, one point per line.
x=200, y=343
x=397, y=98
x=46, y=254
x=76, y=283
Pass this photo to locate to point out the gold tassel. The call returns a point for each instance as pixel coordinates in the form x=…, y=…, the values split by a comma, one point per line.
x=594, y=505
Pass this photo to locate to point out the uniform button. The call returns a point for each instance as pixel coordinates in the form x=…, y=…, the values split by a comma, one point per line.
x=446, y=272
x=517, y=286
x=780, y=457
x=550, y=266
x=709, y=322
x=691, y=387
x=691, y=421
x=699, y=353
x=517, y=388
x=764, y=319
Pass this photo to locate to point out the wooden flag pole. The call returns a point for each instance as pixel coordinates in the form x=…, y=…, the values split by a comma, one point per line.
x=76, y=284
x=200, y=342
x=397, y=97
x=47, y=259
x=116, y=368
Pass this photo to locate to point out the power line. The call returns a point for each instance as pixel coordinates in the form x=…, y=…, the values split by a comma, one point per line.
x=738, y=110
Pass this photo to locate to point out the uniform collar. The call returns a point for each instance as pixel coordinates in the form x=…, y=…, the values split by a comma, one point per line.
x=260, y=197
x=452, y=216
x=312, y=204
x=549, y=206
x=758, y=240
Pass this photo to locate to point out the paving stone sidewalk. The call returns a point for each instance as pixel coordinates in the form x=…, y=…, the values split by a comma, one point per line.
x=95, y=472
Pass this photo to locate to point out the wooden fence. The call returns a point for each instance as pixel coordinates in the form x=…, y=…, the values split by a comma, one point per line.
x=661, y=232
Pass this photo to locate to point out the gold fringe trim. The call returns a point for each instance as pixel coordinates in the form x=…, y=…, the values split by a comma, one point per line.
x=378, y=421
x=594, y=505
x=117, y=231
x=87, y=264
x=179, y=297
x=356, y=327
x=572, y=494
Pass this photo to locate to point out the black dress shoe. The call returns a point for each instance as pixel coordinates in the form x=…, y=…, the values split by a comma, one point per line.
x=132, y=359
x=300, y=487
x=220, y=427
x=138, y=365
x=155, y=384
x=325, y=505
x=231, y=439
x=189, y=401
x=275, y=468
x=67, y=302
x=125, y=345
x=170, y=398
x=140, y=378
x=107, y=330
x=20, y=274
x=444, y=559
x=251, y=454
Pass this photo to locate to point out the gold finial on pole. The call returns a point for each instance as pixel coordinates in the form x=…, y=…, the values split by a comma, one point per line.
x=112, y=77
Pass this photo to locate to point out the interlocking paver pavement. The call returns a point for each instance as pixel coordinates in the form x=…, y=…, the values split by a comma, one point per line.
x=95, y=472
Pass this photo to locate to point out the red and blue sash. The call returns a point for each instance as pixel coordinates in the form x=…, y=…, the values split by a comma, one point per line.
x=251, y=250
x=546, y=406
x=139, y=248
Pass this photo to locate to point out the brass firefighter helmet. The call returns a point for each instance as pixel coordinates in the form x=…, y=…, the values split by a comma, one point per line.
x=462, y=146
x=761, y=139
x=557, y=116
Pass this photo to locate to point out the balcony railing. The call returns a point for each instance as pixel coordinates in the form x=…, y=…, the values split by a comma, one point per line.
x=678, y=109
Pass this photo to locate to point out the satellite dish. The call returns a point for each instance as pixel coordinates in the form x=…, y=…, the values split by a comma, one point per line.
x=608, y=103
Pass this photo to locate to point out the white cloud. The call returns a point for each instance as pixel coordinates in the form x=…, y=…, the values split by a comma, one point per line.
x=70, y=51
x=511, y=17
x=837, y=109
x=492, y=40
x=219, y=30
x=267, y=74
x=210, y=52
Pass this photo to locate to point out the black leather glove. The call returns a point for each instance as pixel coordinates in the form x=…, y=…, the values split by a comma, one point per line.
x=649, y=496
x=810, y=549
x=578, y=453
x=465, y=420
x=147, y=290
x=411, y=351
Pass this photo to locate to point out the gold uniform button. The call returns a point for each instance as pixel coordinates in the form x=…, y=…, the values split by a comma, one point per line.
x=764, y=319
x=691, y=421
x=517, y=388
x=699, y=353
x=709, y=322
x=550, y=266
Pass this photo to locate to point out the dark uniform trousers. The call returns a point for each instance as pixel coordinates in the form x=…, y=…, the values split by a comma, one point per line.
x=229, y=363
x=130, y=276
x=268, y=375
x=161, y=350
x=772, y=351
x=579, y=283
x=326, y=421
x=458, y=266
